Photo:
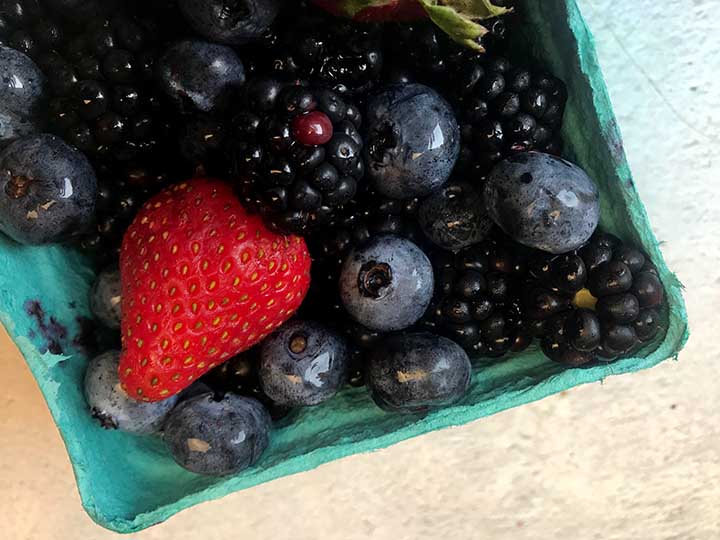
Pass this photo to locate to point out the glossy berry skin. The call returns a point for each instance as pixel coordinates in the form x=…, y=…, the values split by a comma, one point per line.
x=543, y=202
x=47, y=191
x=454, y=217
x=647, y=325
x=303, y=364
x=232, y=23
x=202, y=280
x=106, y=297
x=112, y=407
x=411, y=373
x=387, y=284
x=313, y=128
x=413, y=140
x=22, y=87
x=200, y=75
x=648, y=289
x=217, y=437
x=609, y=278
x=583, y=330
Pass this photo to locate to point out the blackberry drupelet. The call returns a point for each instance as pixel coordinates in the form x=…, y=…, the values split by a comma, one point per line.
x=477, y=297
x=599, y=302
x=295, y=154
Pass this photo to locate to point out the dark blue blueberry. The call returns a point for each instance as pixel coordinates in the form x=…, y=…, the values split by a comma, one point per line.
x=233, y=22
x=455, y=217
x=415, y=372
x=105, y=297
x=303, y=364
x=112, y=407
x=413, y=140
x=543, y=201
x=217, y=437
x=47, y=191
x=386, y=284
x=200, y=75
x=21, y=93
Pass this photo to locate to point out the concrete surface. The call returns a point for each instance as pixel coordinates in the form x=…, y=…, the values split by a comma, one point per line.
x=637, y=457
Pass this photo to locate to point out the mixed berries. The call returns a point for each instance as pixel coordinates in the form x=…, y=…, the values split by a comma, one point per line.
x=281, y=203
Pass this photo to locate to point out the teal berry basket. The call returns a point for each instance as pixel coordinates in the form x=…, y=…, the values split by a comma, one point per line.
x=128, y=483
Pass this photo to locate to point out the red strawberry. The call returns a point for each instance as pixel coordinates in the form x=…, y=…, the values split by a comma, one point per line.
x=458, y=18
x=202, y=280
x=387, y=10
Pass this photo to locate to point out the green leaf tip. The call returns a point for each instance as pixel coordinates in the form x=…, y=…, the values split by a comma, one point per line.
x=459, y=18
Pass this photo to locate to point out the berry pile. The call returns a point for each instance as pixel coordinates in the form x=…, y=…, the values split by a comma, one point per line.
x=282, y=203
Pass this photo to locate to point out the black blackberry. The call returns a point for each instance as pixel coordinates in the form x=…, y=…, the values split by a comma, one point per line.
x=422, y=52
x=304, y=43
x=295, y=152
x=600, y=302
x=503, y=109
x=477, y=297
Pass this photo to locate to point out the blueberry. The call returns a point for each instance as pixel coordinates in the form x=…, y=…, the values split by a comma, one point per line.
x=217, y=437
x=543, y=201
x=386, y=284
x=112, y=407
x=303, y=364
x=413, y=140
x=418, y=371
x=232, y=22
x=105, y=297
x=200, y=75
x=47, y=191
x=454, y=217
x=21, y=92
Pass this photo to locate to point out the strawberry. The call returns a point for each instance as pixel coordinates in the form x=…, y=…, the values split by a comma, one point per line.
x=387, y=10
x=458, y=18
x=202, y=280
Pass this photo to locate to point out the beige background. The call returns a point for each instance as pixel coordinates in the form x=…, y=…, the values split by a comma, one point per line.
x=637, y=457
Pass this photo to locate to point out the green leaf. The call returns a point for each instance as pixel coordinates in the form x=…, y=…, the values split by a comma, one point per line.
x=458, y=18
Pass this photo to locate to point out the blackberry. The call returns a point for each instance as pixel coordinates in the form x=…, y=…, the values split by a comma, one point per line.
x=599, y=302
x=503, y=109
x=304, y=43
x=477, y=297
x=295, y=155
x=422, y=52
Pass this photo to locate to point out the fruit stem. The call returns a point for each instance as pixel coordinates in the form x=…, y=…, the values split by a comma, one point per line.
x=373, y=278
x=18, y=186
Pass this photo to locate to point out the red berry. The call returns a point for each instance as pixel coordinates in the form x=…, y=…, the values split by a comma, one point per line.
x=202, y=280
x=312, y=129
